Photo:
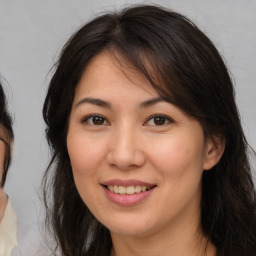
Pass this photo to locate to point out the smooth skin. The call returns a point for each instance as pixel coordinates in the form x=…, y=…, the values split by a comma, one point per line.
x=119, y=128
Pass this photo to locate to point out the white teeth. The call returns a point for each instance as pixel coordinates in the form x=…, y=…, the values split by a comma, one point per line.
x=122, y=190
x=116, y=189
x=137, y=189
x=130, y=190
x=143, y=188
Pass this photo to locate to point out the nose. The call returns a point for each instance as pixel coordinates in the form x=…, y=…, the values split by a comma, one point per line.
x=125, y=149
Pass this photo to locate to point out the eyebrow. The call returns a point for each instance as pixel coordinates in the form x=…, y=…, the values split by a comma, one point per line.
x=106, y=104
x=151, y=102
x=94, y=101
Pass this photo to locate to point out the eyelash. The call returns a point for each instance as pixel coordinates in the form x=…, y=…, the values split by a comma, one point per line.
x=166, y=119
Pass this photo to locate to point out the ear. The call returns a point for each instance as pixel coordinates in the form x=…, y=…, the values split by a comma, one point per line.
x=214, y=149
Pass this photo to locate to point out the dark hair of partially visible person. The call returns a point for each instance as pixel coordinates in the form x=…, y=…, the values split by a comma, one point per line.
x=185, y=68
x=6, y=134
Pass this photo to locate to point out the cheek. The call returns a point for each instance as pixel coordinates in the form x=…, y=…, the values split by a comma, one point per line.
x=84, y=155
x=179, y=164
x=177, y=158
x=85, y=159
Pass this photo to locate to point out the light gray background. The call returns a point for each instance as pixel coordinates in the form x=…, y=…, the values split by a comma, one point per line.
x=32, y=33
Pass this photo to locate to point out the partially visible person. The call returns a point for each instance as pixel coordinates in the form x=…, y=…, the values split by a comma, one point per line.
x=8, y=219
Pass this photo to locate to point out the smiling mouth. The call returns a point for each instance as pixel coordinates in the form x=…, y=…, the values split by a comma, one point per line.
x=130, y=190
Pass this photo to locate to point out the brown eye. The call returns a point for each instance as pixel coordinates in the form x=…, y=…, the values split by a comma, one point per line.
x=160, y=120
x=98, y=120
x=95, y=120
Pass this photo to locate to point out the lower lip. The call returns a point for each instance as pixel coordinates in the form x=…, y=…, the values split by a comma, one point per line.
x=127, y=200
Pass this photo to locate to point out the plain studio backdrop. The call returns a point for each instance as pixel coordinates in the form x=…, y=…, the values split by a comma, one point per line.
x=32, y=33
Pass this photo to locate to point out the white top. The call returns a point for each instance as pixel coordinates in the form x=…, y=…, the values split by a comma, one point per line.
x=8, y=230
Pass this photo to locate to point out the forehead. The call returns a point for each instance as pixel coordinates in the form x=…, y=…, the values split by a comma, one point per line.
x=107, y=72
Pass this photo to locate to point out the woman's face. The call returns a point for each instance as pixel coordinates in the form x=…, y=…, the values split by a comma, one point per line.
x=137, y=160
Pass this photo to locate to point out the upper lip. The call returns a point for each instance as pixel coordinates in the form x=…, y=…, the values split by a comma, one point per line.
x=127, y=183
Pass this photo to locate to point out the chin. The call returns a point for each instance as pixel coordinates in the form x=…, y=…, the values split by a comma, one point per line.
x=129, y=232
x=129, y=227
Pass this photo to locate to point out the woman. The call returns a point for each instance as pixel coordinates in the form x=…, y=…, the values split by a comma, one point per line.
x=8, y=220
x=149, y=156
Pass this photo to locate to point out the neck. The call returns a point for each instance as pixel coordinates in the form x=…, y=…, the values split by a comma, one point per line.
x=3, y=203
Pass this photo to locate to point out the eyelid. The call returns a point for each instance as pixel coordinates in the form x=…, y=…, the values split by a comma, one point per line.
x=168, y=118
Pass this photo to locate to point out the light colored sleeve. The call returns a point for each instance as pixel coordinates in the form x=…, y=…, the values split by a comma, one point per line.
x=8, y=230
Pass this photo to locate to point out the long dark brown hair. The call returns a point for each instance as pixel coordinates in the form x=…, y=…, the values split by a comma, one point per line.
x=6, y=133
x=194, y=77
